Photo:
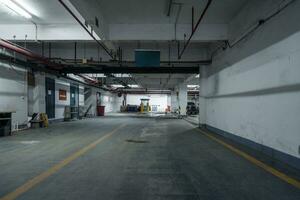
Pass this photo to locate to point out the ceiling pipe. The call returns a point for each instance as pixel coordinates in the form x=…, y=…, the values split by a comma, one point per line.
x=54, y=67
x=24, y=64
x=77, y=61
x=86, y=29
x=169, y=6
x=194, y=29
x=104, y=69
x=11, y=46
x=29, y=54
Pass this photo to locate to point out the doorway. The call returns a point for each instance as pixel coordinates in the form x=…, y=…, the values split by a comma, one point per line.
x=50, y=98
x=74, y=100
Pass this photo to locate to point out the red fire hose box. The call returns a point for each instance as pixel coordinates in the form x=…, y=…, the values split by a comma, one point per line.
x=100, y=110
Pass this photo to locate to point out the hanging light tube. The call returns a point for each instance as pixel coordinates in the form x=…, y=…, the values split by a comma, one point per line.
x=15, y=7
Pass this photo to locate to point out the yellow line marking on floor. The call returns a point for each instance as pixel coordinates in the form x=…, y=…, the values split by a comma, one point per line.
x=256, y=162
x=44, y=175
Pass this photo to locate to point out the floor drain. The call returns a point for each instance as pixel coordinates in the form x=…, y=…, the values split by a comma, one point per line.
x=137, y=141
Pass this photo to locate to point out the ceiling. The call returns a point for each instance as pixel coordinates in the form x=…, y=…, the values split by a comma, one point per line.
x=154, y=11
x=51, y=12
x=43, y=11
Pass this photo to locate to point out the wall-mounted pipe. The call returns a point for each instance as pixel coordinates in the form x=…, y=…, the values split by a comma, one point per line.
x=226, y=44
x=25, y=52
x=54, y=67
x=24, y=64
x=29, y=54
x=195, y=29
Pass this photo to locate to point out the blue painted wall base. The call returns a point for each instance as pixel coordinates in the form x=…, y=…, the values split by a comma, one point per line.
x=273, y=153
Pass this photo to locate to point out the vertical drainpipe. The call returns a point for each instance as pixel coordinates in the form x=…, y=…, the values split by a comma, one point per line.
x=43, y=48
x=75, y=52
x=193, y=11
x=50, y=46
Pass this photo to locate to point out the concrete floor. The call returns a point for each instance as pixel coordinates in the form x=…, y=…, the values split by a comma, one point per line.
x=149, y=158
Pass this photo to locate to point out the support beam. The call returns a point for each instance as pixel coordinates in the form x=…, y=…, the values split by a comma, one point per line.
x=130, y=70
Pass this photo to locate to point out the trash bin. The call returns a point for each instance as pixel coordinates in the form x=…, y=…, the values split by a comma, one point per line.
x=100, y=110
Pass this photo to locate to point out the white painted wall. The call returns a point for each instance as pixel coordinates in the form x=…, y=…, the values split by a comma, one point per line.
x=253, y=90
x=57, y=32
x=23, y=100
x=60, y=104
x=13, y=92
x=111, y=101
x=166, y=32
x=160, y=100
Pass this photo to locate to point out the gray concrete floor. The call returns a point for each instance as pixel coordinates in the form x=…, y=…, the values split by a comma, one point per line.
x=163, y=159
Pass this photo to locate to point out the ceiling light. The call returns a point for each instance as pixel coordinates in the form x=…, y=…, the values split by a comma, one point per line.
x=122, y=75
x=16, y=8
x=193, y=86
x=96, y=75
x=117, y=86
x=134, y=86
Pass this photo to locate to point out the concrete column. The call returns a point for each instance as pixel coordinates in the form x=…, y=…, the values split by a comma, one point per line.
x=174, y=100
x=39, y=101
x=202, y=98
x=182, y=98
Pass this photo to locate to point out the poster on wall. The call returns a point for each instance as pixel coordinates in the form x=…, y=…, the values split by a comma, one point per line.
x=62, y=95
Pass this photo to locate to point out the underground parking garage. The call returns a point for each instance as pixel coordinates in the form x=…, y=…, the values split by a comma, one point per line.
x=162, y=99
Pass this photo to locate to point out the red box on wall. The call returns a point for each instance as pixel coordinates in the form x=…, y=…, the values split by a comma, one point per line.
x=100, y=110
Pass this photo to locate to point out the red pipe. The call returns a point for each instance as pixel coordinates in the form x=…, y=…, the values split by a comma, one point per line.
x=29, y=54
x=8, y=45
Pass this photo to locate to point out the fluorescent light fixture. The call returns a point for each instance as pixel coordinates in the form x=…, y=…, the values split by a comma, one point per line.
x=193, y=86
x=134, y=86
x=117, y=86
x=12, y=5
x=122, y=75
x=96, y=75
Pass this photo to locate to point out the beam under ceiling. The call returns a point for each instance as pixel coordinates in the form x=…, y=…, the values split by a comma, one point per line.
x=129, y=70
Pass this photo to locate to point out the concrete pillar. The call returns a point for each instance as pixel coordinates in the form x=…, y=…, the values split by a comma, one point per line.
x=182, y=98
x=39, y=93
x=169, y=100
x=174, y=101
x=202, y=98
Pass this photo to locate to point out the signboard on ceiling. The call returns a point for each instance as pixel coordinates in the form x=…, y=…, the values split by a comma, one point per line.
x=62, y=95
x=147, y=58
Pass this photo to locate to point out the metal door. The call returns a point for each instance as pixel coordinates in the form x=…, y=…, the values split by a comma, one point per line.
x=74, y=95
x=50, y=98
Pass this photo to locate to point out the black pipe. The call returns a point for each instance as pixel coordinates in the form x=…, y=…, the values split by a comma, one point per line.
x=193, y=11
x=85, y=28
x=35, y=67
x=201, y=62
x=43, y=48
x=103, y=69
x=259, y=23
x=75, y=52
x=169, y=8
x=194, y=29
x=50, y=48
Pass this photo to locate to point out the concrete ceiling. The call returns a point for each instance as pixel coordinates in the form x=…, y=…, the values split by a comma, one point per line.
x=154, y=11
x=43, y=11
x=128, y=12
x=142, y=15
